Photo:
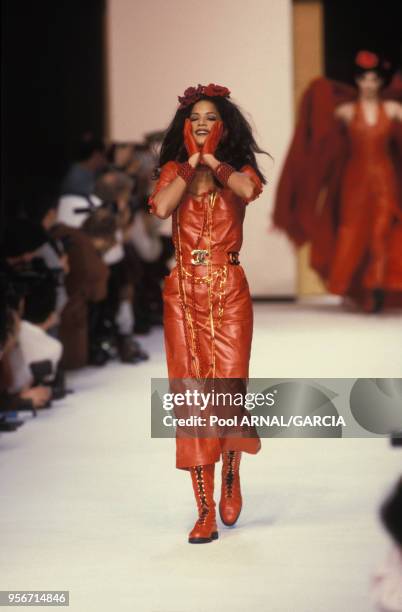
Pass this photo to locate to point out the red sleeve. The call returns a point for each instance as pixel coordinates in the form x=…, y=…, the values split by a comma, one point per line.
x=167, y=175
x=258, y=185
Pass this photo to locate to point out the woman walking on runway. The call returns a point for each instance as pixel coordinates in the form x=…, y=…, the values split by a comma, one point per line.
x=208, y=175
x=341, y=184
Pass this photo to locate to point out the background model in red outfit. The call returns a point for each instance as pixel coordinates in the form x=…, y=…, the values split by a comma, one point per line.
x=348, y=146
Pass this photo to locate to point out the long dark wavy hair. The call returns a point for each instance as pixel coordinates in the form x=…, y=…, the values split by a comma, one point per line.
x=238, y=148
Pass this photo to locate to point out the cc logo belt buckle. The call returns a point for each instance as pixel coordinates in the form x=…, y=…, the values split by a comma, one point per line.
x=199, y=256
x=234, y=257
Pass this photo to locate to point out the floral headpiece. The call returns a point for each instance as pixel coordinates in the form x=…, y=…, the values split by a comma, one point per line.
x=368, y=61
x=192, y=94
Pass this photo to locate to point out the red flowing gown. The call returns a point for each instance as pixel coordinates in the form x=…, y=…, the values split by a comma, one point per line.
x=208, y=314
x=341, y=190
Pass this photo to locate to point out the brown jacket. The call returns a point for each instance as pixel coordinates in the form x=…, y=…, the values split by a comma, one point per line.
x=85, y=282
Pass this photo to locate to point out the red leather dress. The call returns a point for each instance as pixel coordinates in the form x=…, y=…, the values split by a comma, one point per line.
x=208, y=315
x=368, y=207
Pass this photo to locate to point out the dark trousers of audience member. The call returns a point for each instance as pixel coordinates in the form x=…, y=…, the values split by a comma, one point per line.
x=73, y=333
x=102, y=327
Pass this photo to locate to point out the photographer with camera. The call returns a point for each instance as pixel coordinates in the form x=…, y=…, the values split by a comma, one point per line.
x=85, y=284
x=31, y=356
x=29, y=398
x=114, y=188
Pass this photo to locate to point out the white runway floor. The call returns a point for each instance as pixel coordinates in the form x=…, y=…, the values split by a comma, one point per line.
x=91, y=504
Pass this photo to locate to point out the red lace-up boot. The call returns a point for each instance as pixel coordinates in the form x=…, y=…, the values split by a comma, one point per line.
x=231, y=500
x=205, y=529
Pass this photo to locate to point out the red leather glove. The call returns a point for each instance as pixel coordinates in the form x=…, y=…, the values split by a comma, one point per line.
x=189, y=140
x=213, y=138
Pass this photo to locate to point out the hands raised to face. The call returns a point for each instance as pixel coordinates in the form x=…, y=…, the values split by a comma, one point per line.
x=211, y=142
x=213, y=138
x=189, y=140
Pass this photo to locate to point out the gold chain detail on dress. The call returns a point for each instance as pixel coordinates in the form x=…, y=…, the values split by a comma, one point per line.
x=189, y=308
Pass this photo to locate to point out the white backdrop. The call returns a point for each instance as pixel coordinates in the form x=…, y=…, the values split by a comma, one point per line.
x=156, y=49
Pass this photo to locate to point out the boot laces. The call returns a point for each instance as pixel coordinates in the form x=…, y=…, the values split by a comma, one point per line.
x=203, y=506
x=229, y=477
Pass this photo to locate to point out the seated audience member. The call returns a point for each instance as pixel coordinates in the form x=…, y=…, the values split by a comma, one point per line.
x=143, y=245
x=115, y=312
x=30, y=398
x=72, y=210
x=121, y=157
x=76, y=193
x=30, y=344
x=115, y=189
x=38, y=347
x=148, y=246
x=149, y=304
x=86, y=284
x=107, y=195
x=34, y=349
x=91, y=160
x=43, y=210
x=25, y=394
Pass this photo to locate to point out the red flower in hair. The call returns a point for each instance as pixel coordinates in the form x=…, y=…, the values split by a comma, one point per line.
x=192, y=94
x=367, y=60
x=216, y=90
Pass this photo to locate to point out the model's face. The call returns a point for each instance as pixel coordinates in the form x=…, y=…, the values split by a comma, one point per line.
x=369, y=83
x=203, y=116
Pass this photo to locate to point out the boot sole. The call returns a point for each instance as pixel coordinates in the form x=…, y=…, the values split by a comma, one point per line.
x=214, y=536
